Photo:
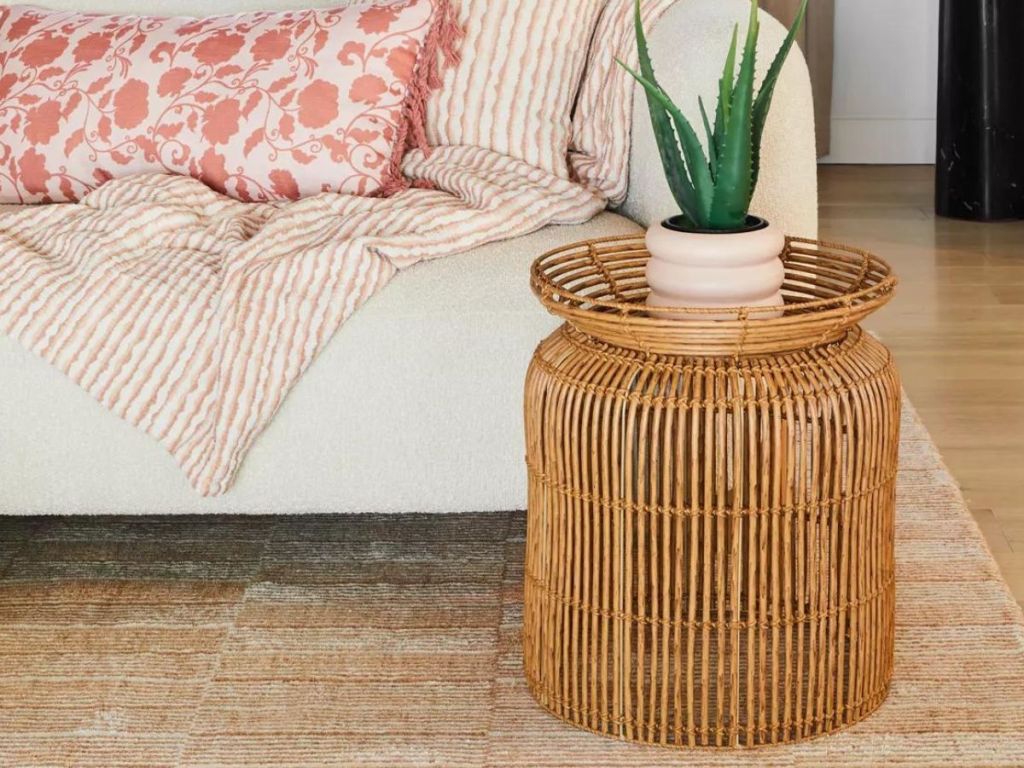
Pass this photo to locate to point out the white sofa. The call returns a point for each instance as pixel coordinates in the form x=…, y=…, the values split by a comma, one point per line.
x=416, y=403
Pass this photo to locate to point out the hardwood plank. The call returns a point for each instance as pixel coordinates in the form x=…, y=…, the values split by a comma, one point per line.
x=956, y=327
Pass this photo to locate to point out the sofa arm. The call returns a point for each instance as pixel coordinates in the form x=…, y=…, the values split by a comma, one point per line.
x=688, y=45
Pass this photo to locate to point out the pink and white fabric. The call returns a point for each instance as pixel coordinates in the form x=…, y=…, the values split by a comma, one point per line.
x=603, y=119
x=514, y=89
x=261, y=106
x=191, y=315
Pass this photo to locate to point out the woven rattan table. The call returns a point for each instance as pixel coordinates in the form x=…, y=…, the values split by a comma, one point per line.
x=710, y=540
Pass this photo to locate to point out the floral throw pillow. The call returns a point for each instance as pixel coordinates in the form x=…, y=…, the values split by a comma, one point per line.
x=260, y=106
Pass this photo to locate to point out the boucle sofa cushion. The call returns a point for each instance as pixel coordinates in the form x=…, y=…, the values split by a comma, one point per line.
x=415, y=406
x=262, y=106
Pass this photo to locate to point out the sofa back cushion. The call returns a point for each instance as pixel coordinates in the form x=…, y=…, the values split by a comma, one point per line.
x=522, y=62
x=262, y=105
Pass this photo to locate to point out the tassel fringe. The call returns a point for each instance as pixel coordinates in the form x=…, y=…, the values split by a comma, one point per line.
x=440, y=52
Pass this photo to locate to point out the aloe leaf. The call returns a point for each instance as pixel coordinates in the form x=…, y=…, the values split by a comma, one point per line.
x=675, y=170
x=725, y=84
x=693, y=152
x=712, y=143
x=689, y=180
x=696, y=162
x=763, y=102
x=733, y=188
x=668, y=150
x=643, y=52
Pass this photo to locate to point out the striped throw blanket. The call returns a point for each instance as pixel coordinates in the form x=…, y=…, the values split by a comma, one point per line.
x=192, y=315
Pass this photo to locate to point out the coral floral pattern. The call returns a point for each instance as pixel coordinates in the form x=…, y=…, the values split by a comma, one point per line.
x=260, y=106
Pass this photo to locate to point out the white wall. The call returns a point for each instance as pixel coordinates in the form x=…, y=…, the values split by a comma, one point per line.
x=886, y=62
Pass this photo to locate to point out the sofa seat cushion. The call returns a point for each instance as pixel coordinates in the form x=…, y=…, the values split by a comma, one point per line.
x=415, y=405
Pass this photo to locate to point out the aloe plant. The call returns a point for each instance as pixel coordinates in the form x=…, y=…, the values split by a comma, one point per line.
x=714, y=190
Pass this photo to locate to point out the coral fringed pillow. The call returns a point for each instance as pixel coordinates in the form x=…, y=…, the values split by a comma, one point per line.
x=261, y=106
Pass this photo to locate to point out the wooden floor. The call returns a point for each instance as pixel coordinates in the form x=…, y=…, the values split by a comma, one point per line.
x=957, y=330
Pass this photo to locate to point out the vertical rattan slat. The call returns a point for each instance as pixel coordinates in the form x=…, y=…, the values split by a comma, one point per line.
x=710, y=546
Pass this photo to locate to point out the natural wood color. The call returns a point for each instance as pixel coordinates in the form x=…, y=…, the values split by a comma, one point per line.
x=711, y=509
x=600, y=288
x=956, y=327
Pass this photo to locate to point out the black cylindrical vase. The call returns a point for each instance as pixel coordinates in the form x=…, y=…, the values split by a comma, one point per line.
x=979, y=166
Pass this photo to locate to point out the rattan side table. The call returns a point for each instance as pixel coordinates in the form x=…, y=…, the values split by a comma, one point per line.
x=711, y=504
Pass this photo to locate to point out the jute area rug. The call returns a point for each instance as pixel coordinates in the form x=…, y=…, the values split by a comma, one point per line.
x=394, y=641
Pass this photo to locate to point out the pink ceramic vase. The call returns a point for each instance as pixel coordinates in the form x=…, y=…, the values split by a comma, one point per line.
x=715, y=269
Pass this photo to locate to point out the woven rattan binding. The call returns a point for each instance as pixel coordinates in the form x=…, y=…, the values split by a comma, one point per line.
x=710, y=551
x=599, y=287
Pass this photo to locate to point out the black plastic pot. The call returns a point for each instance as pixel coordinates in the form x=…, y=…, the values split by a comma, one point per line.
x=679, y=224
x=979, y=167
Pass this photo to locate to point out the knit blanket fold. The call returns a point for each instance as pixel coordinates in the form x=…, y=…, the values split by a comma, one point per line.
x=192, y=315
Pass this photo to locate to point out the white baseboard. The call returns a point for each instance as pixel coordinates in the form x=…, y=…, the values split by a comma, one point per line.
x=882, y=141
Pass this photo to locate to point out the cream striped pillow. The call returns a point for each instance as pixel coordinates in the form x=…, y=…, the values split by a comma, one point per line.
x=604, y=110
x=522, y=61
